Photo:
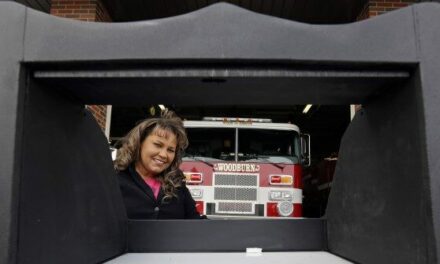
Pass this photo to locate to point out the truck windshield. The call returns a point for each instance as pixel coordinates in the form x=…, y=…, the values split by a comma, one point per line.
x=254, y=145
x=211, y=143
x=277, y=146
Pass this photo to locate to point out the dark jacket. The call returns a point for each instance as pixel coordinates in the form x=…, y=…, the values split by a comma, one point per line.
x=140, y=202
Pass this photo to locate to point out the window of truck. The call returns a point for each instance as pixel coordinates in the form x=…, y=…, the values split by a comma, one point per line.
x=254, y=145
x=211, y=143
x=274, y=146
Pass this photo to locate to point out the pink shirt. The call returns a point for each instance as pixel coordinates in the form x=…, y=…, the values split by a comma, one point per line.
x=154, y=185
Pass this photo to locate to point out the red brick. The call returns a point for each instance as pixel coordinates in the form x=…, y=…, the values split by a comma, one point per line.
x=88, y=6
x=78, y=11
x=71, y=16
x=377, y=9
x=400, y=5
x=386, y=4
x=84, y=2
x=65, y=11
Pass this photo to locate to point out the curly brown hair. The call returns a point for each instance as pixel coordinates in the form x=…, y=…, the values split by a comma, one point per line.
x=130, y=151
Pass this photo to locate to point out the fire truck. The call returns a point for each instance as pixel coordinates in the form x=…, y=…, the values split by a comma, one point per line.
x=245, y=167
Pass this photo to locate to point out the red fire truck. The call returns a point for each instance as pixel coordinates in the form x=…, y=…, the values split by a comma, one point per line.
x=245, y=167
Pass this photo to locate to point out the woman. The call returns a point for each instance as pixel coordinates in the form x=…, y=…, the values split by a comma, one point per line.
x=148, y=162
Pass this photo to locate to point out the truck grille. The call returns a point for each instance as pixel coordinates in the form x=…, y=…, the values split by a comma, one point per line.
x=239, y=179
x=245, y=194
x=235, y=193
x=238, y=208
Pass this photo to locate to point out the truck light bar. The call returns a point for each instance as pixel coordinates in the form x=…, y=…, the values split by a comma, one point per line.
x=238, y=119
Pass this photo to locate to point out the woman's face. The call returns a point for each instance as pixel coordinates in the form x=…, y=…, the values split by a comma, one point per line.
x=158, y=151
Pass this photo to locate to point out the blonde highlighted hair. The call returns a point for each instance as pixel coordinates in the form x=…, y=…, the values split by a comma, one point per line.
x=130, y=150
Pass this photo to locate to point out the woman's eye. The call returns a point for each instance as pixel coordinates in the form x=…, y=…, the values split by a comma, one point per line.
x=157, y=144
x=171, y=150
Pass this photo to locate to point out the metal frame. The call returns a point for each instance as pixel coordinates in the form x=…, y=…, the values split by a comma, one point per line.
x=48, y=208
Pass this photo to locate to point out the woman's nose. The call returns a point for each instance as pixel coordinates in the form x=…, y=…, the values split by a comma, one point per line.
x=163, y=153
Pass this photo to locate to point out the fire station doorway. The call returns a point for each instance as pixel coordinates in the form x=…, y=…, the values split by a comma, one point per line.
x=230, y=85
x=241, y=89
x=324, y=123
x=188, y=88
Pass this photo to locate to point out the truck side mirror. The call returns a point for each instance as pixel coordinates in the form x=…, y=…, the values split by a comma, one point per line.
x=305, y=150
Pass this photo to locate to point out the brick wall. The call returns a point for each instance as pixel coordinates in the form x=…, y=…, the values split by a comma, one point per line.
x=84, y=10
x=378, y=7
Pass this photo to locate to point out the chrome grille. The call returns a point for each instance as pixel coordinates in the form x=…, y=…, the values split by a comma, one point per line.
x=231, y=207
x=245, y=194
x=235, y=193
x=246, y=181
x=236, y=179
x=225, y=179
x=224, y=193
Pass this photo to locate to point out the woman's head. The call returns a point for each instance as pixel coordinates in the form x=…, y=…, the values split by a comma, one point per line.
x=157, y=152
x=155, y=147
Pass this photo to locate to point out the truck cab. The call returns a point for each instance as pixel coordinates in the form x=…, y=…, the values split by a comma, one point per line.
x=245, y=167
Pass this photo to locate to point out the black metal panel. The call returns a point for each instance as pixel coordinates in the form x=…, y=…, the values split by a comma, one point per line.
x=428, y=21
x=71, y=210
x=378, y=198
x=226, y=235
x=222, y=32
x=12, y=24
x=386, y=194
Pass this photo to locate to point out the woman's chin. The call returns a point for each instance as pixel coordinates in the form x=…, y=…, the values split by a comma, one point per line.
x=158, y=171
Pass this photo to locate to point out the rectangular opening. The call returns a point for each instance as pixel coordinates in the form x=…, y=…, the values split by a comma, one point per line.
x=70, y=86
